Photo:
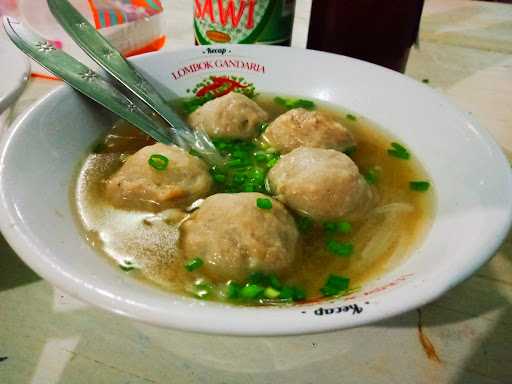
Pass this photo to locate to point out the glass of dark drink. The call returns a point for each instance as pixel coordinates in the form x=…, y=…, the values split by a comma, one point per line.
x=378, y=31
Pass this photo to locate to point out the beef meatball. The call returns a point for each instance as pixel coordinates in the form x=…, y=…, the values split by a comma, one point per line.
x=232, y=116
x=302, y=128
x=321, y=183
x=138, y=185
x=234, y=237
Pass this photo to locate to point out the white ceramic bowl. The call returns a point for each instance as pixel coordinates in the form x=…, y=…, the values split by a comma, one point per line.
x=41, y=153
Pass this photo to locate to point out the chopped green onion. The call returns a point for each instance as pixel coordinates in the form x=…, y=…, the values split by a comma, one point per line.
x=257, y=176
x=234, y=163
x=194, y=264
x=268, y=285
x=260, y=156
x=263, y=279
x=271, y=293
x=127, y=265
x=302, y=103
x=251, y=291
x=350, y=150
x=304, y=224
x=238, y=178
x=286, y=293
x=272, y=162
x=258, y=278
x=298, y=294
x=159, y=162
x=399, y=151
x=262, y=127
x=290, y=293
x=334, y=285
x=371, y=176
x=275, y=282
x=191, y=104
x=263, y=203
x=233, y=290
x=239, y=154
x=219, y=178
x=343, y=227
x=339, y=249
x=280, y=100
x=420, y=186
x=248, y=187
x=329, y=227
x=398, y=147
x=220, y=144
x=351, y=117
x=246, y=166
x=294, y=103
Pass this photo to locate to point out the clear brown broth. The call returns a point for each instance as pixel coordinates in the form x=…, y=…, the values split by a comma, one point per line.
x=381, y=240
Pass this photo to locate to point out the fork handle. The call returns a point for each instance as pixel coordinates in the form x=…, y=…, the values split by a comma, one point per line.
x=82, y=78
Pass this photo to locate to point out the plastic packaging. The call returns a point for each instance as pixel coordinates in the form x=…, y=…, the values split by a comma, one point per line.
x=132, y=26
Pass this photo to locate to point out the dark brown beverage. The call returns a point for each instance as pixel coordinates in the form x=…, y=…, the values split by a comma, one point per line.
x=378, y=31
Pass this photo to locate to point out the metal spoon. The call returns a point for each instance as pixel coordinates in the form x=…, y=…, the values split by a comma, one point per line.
x=83, y=79
x=134, y=84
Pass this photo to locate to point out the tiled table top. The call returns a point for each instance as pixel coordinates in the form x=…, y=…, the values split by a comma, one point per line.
x=464, y=337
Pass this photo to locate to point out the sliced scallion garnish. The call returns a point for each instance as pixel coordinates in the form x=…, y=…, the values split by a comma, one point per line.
x=264, y=203
x=128, y=265
x=194, y=264
x=339, y=249
x=399, y=151
x=233, y=290
x=371, y=175
x=158, y=162
x=333, y=227
x=271, y=293
x=219, y=178
x=419, y=186
x=290, y=103
x=251, y=291
x=334, y=285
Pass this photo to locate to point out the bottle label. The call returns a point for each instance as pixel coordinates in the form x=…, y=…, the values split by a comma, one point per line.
x=243, y=21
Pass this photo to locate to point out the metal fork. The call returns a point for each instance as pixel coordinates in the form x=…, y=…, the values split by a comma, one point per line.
x=95, y=86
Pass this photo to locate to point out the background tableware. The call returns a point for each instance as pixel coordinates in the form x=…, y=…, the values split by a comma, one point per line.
x=381, y=32
x=14, y=72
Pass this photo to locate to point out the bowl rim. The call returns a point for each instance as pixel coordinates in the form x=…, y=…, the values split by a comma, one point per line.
x=209, y=322
x=19, y=68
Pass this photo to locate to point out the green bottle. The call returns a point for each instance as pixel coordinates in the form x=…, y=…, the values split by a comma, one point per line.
x=243, y=21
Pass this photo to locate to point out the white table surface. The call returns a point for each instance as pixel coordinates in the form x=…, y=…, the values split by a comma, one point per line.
x=48, y=337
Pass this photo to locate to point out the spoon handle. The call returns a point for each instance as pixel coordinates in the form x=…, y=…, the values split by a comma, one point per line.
x=82, y=78
x=113, y=62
